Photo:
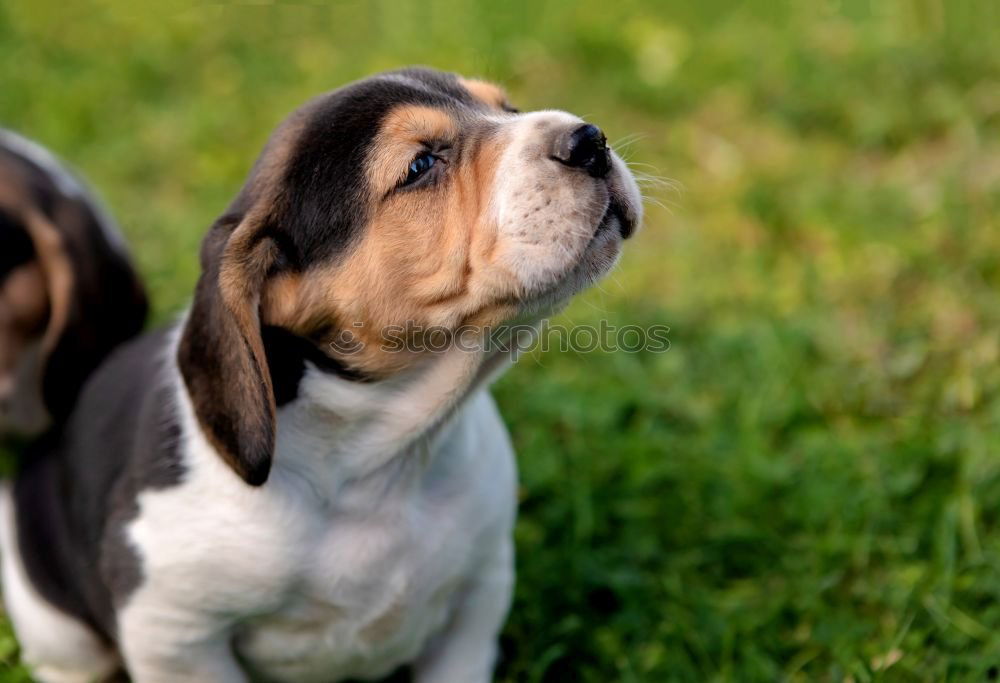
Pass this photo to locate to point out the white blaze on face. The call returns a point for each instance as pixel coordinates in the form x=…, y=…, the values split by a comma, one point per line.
x=547, y=213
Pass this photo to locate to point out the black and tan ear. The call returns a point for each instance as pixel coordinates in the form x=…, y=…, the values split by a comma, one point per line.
x=55, y=264
x=95, y=300
x=221, y=353
x=35, y=301
x=87, y=294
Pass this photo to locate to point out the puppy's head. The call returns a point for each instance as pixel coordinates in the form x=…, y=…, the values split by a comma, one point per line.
x=68, y=293
x=413, y=200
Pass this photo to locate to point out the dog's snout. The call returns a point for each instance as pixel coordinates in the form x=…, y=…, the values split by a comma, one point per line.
x=585, y=147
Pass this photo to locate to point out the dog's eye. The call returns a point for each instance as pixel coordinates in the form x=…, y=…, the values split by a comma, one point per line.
x=419, y=166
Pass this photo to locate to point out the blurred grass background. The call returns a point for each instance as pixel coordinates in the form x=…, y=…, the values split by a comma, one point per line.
x=807, y=485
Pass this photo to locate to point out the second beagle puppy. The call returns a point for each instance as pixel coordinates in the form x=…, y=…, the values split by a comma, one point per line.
x=68, y=292
x=273, y=491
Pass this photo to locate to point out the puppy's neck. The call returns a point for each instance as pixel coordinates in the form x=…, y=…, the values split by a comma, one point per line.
x=345, y=430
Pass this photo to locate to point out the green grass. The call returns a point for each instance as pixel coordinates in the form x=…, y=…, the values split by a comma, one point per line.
x=807, y=485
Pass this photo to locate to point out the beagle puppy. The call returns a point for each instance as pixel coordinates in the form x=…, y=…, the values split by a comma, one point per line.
x=245, y=496
x=68, y=292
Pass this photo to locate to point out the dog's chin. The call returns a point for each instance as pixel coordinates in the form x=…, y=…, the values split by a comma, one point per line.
x=598, y=259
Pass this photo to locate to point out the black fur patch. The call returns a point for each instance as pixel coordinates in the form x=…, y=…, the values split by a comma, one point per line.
x=15, y=245
x=286, y=358
x=78, y=485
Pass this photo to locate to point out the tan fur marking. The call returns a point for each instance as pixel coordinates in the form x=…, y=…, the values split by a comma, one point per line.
x=404, y=132
x=23, y=312
x=23, y=295
x=58, y=274
x=245, y=261
x=280, y=299
x=486, y=92
x=426, y=258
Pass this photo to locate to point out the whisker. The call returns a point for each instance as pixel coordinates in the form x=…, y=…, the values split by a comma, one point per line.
x=627, y=141
x=656, y=202
x=644, y=164
x=660, y=181
x=649, y=180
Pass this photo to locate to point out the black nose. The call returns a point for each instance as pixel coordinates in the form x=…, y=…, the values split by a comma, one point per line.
x=584, y=147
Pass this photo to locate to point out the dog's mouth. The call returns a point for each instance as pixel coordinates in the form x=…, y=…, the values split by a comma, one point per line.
x=616, y=217
x=599, y=256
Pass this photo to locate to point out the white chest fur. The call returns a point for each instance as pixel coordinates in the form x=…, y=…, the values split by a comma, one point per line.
x=329, y=570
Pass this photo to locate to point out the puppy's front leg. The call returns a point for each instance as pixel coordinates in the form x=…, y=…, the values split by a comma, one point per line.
x=466, y=651
x=163, y=650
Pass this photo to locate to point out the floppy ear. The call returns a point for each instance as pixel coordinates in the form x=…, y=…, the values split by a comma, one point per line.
x=55, y=264
x=95, y=300
x=221, y=354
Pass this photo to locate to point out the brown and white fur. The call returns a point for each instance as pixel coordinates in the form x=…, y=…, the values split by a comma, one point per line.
x=239, y=497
